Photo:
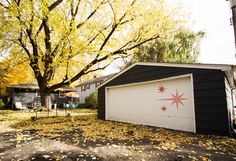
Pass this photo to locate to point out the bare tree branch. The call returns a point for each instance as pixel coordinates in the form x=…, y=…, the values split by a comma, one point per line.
x=95, y=61
x=126, y=44
x=108, y=37
x=99, y=32
x=23, y=46
x=114, y=15
x=8, y=2
x=136, y=45
x=33, y=43
x=114, y=27
x=126, y=21
x=100, y=68
x=126, y=49
x=33, y=62
x=54, y=5
x=90, y=15
x=3, y=6
x=39, y=30
x=50, y=8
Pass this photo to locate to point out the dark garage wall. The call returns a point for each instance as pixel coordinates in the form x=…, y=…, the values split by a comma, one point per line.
x=209, y=94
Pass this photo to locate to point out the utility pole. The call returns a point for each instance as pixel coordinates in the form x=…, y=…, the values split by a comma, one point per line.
x=233, y=19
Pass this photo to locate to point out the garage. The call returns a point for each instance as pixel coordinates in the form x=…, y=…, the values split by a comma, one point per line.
x=185, y=97
x=168, y=103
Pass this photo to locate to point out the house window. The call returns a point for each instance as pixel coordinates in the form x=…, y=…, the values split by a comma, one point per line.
x=83, y=88
x=61, y=95
x=87, y=86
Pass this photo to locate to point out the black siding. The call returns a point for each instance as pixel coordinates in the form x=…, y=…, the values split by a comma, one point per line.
x=209, y=94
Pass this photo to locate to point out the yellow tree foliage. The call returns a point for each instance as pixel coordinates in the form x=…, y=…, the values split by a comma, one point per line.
x=67, y=39
x=14, y=70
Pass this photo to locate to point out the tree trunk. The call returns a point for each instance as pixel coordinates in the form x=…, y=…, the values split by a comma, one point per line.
x=45, y=100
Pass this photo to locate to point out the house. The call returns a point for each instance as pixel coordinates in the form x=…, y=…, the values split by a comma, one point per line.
x=197, y=98
x=85, y=89
x=26, y=95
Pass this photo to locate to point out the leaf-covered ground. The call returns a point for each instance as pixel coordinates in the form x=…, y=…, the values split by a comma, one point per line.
x=81, y=136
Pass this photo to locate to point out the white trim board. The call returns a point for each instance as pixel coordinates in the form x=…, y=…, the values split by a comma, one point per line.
x=196, y=66
x=194, y=114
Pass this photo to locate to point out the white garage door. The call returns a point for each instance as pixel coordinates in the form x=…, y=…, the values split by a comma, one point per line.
x=166, y=103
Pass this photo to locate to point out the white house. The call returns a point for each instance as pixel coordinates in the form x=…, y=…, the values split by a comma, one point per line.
x=85, y=89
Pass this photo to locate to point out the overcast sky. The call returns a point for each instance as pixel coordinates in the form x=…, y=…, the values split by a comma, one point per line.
x=212, y=17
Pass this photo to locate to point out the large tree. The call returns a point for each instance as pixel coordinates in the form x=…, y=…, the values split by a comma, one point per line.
x=60, y=36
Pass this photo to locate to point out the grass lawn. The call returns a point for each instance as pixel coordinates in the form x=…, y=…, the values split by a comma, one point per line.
x=81, y=136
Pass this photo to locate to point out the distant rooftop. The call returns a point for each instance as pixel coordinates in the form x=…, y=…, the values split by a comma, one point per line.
x=98, y=79
x=25, y=86
x=34, y=85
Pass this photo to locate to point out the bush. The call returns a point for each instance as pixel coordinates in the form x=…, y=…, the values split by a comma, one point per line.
x=92, y=101
x=2, y=105
x=82, y=105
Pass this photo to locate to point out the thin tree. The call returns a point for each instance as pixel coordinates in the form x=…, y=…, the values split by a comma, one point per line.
x=181, y=47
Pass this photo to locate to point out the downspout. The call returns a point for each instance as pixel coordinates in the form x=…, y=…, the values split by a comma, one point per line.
x=233, y=70
x=230, y=77
x=232, y=92
x=234, y=74
x=233, y=19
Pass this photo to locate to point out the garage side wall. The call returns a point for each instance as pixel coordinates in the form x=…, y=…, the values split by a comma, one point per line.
x=209, y=94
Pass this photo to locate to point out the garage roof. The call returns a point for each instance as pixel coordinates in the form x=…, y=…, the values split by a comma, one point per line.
x=230, y=70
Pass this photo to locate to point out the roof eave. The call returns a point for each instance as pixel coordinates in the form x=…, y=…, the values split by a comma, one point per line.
x=221, y=67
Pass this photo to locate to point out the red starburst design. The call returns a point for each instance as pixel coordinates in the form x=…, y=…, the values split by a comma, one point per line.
x=161, y=89
x=177, y=99
x=164, y=108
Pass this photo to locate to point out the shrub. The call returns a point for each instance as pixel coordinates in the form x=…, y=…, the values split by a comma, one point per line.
x=2, y=105
x=92, y=101
x=82, y=105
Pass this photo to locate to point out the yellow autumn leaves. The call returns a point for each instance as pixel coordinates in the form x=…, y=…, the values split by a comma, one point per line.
x=84, y=126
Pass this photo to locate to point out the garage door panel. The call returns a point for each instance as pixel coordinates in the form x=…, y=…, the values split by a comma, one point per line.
x=176, y=123
x=167, y=103
x=164, y=122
